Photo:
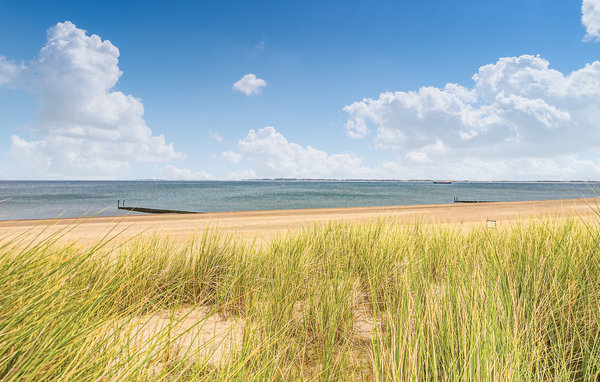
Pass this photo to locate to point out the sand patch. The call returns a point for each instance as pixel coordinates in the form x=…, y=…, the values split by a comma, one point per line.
x=158, y=340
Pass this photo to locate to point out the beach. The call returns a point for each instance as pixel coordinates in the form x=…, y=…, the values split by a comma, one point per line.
x=282, y=295
x=262, y=226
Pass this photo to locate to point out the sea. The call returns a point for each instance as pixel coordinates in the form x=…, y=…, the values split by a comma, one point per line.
x=56, y=199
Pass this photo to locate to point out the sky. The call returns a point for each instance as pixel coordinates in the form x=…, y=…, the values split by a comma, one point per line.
x=224, y=90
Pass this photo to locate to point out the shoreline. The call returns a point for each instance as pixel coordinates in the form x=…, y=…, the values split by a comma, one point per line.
x=263, y=225
x=294, y=211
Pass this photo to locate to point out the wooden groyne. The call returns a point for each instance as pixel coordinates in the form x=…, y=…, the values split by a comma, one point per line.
x=456, y=200
x=151, y=210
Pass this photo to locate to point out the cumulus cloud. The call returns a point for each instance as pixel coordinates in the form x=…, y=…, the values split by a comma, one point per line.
x=520, y=113
x=9, y=71
x=85, y=128
x=231, y=156
x=172, y=172
x=590, y=18
x=274, y=156
x=249, y=84
x=31, y=155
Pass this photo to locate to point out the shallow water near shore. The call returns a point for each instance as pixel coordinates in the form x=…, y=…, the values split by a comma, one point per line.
x=51, y=199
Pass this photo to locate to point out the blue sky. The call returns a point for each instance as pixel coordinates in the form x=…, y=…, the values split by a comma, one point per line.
x=351, y=90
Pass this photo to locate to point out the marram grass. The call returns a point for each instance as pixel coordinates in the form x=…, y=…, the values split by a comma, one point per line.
x=337, y=302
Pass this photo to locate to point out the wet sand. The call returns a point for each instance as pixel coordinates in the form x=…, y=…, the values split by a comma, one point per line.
x=264, y=225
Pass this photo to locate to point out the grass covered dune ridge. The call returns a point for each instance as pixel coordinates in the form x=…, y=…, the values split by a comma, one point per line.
x=340, y=301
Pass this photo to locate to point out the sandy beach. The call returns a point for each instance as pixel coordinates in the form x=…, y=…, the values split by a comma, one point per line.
x=264, y=225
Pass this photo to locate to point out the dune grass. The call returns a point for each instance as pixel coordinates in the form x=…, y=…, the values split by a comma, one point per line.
x=336, y=302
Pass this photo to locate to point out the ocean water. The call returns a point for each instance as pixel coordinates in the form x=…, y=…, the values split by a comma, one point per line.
x=51, y=199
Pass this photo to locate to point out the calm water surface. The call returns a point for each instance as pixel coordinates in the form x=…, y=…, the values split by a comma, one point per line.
x=50, y=199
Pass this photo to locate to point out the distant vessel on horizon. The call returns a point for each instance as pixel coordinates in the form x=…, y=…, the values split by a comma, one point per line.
x=442, y=182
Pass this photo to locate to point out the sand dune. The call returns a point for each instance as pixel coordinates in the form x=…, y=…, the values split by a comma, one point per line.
x=264, y=225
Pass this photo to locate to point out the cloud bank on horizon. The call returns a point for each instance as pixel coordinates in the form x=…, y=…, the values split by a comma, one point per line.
x=520, y=120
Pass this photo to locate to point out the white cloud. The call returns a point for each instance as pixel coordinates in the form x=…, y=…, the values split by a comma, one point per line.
x=231, y=156
x=274, y=156
x=590, y=18
x=215, y=136
x=473, y=168
x=249, y=84
x=85, y=128
x=30, y=155
x=242, y=175
x=171, y=172
x=520, y=113
x=9, y=71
